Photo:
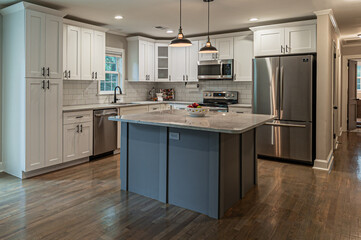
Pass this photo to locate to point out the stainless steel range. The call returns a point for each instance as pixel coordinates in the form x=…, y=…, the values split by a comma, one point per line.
x=218, y=101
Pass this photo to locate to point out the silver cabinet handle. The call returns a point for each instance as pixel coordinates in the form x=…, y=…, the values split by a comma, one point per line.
x=79, y=117
x=170, y=78
x=187, y=77
x=43, y=84
x=184, y=78
x=77, y=129
x=285, y=125
x=96, y=75
x=48, y=84
x=48, y=70
x=287, y=48
x=43, y=71
x=92, y=75
x=65, y=74
x=69, y=74
x=81, y=128
x=235, y=76
x=282, y=49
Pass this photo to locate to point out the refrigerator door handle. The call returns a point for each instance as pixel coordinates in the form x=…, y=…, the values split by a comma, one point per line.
x=281, y=91
x=286, y=125
x=276, y=106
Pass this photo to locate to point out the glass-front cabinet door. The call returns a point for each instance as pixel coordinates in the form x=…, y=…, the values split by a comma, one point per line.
x=162, y=63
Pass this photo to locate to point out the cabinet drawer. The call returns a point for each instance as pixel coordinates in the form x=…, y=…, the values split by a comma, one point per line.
x=133, y=110
x=154, y=108
x=77, y=117
x=240, y=110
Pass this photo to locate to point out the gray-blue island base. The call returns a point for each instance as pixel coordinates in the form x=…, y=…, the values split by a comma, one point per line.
x=204, y=171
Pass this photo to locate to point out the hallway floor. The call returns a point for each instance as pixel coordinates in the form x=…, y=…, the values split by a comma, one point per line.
x=85, y=202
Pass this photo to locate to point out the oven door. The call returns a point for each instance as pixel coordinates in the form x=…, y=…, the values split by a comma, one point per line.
x=210, y=70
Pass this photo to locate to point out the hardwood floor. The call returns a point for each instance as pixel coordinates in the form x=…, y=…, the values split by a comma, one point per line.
x=85, y=202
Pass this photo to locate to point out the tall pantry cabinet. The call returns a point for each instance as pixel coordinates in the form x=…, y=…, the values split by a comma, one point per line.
x=32, y=88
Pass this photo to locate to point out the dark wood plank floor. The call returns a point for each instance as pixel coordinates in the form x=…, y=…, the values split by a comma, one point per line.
x=84, y=202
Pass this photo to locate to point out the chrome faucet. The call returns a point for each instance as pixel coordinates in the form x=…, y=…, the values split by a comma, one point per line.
x=115, y=94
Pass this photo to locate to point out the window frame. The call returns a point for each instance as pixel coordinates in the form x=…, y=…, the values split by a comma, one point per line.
x=115, y=52
x=357, y=77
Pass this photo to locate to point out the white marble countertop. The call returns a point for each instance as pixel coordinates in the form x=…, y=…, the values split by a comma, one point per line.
x=214, y=121
x=118, y=105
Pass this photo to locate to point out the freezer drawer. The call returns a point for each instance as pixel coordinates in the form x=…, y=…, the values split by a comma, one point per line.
x=287, y=140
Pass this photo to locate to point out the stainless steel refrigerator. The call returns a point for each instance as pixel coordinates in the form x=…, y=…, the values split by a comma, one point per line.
x=284, y=87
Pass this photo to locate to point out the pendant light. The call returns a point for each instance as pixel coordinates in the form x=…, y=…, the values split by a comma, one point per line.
x=180, y=41
x=208, y=48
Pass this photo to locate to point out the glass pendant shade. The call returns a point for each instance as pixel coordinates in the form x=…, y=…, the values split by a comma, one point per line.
x=180, y=41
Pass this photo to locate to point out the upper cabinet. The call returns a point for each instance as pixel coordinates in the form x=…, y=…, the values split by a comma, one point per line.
x=223, y=45
x=161, y=62
x=243, y=55
x=290, y=38
x=141, y=59
x=84, y=54
x=44, y=45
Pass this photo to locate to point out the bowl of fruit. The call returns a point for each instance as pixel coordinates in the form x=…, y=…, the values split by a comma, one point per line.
x=194, y=110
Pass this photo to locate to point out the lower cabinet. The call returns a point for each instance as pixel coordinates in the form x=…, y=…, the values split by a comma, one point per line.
x=77, y=136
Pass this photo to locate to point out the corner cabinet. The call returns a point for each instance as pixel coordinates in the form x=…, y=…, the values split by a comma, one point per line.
x=44, y=33
x=141, y=59
x=84, y=54
x=283, y=39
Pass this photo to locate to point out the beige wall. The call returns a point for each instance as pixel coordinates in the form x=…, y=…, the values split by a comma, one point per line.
x=355, y=50
x=324, y=117
x=117, y=41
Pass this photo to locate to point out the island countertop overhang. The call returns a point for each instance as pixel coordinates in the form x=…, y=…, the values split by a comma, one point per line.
x=231, y=123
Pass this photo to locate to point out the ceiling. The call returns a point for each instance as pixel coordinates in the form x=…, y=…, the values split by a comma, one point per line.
x=141, y=16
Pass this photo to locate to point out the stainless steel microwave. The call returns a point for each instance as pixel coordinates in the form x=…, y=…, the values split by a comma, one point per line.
x=215, y=70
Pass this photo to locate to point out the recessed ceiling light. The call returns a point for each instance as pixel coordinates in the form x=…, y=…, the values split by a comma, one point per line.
x=253, y=19
x=170, y=31
x=359, y=35
x=118, y=17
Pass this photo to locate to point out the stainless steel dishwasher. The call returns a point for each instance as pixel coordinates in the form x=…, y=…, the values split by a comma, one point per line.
x=104, y=131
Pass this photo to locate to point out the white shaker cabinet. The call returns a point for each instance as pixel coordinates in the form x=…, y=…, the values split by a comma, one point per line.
x=300, y=39
x=141, y=59
x=162, y=63
x=283, y=39
x=99, y=55
x=44, y=123
x=223, y=45
x=72, y=53
x=243, y=55
x=43, y=45
x=77, y=135
x=178, y=64
x=192, y=62
x=87, y=54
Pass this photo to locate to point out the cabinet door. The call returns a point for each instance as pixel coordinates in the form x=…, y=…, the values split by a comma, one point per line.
x=35, y=44
x=85, y=140
x=87, y=58
x=150, y=61
x=54, y=47
x=225, y=48
x=269, y=42
x=73, y=52
x=35, y=115
x=142, y=60
x=178, y=64
x=53, y=121
x=243, y=55
x=99, y=55
x=70, y=136
x=161, y=73
x=192, y=62
x=205, y=56
x=300, y=39
x=65, y=43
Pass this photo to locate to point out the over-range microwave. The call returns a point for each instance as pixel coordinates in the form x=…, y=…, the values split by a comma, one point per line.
x=215, y=70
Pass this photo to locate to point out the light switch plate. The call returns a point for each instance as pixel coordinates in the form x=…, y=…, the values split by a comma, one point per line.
x=174, y=136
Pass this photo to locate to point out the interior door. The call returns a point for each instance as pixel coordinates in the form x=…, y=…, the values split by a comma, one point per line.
x=35, y=44
x=296, y=88
x=352, y=95
x=54, y=47
x=35, y=105
x=53, y=122
x=87, y=52
x=73, y=52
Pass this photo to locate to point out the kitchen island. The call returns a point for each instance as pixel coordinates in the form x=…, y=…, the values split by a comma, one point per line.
x=205, y=164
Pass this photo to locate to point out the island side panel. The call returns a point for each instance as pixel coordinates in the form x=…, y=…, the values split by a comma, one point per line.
x=193, y=180
x=147, y=160
x=230, y=171
x=248, y=162
x=124, y=156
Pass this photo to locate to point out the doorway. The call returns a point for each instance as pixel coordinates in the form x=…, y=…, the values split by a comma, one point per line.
x=354, y=95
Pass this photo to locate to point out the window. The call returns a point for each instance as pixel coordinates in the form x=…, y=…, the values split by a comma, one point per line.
x=113, y=72
x=359, y=78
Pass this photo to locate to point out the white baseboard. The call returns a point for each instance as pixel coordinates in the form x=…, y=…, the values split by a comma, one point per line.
x=324, y=164
x=1, y=167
